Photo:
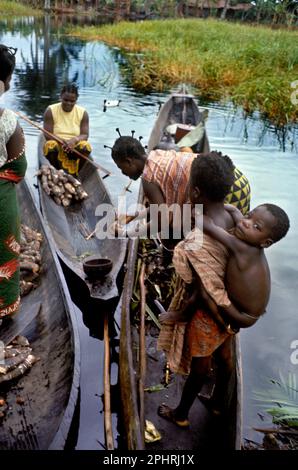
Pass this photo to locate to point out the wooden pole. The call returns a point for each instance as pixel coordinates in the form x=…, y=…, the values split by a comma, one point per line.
x=142, y=349
x=81, y=155
x=107, y=387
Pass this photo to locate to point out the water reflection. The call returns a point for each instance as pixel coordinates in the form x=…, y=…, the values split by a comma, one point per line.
x=45, y=60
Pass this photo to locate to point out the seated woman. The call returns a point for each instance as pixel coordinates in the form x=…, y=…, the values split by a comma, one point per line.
x=70, y=123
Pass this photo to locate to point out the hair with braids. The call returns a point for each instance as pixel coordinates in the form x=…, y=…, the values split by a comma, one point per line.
x=70, y=88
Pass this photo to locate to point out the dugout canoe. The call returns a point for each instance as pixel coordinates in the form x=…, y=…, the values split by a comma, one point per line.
x=49, y=390
x=71, y=225
x=179, y=108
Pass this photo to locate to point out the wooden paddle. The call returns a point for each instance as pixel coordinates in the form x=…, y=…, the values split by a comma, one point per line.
x=79, y=154
x=107, y=387
x=16, y=325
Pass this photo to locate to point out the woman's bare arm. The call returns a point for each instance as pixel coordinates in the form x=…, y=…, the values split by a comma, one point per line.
x=84, y=128
x=16, y=143
x=155, y=196
x=48, y=123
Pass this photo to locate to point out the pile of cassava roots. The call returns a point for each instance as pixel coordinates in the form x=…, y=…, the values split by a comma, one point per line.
x=61, y=186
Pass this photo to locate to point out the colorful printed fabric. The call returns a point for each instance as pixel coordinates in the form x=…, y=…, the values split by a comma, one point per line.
x=208, y=259
x=202, y=335
x=69, y=162
x=182, y=341
x=239, y=195
x=170, y=170
x=11, y=173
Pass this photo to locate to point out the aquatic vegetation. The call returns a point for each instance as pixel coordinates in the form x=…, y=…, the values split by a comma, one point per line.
x=9, y=8
x=251, y=66
x=281, y=401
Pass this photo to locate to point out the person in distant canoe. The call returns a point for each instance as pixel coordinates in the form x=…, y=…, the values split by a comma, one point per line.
x=12, y=170
x=69, y=122
x=165, y=174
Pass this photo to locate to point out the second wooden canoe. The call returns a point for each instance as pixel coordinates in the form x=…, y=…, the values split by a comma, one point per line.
x=71, y=225
x=40, y=405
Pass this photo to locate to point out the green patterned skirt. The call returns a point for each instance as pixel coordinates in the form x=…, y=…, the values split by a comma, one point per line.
x=10, y=174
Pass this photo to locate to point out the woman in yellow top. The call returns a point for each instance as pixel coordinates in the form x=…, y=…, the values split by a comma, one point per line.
x=69, y=122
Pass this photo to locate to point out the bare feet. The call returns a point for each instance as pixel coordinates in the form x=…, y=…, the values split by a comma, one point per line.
x=169, y=414
x=211, y=405
x=173, y=316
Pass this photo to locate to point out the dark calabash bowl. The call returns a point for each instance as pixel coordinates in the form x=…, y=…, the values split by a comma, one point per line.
x=97, y=268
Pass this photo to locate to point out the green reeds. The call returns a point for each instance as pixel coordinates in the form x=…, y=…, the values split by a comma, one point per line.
x=10, y=8
x=284, y=395
x=251, y=66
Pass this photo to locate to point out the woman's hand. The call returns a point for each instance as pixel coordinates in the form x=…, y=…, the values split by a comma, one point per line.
x=71, y=143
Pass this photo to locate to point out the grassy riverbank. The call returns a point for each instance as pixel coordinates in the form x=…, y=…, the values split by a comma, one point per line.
x=9, y=8
x=252, y=66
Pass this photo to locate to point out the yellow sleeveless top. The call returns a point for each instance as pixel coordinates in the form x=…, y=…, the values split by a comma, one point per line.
x=66, y=125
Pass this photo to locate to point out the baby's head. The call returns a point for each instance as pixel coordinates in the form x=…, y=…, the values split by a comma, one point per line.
x=263, y=226
x=211, y=178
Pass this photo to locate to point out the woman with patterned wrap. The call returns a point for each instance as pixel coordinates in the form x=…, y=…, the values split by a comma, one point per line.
x=12, y=169
x=165, y=174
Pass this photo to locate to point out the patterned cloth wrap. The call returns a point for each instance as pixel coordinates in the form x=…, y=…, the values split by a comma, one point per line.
x=11, y=173
x=202, y=335
x=69, y=162
x=170, y=170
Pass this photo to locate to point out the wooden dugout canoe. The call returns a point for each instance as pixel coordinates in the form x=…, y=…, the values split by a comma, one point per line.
x=179, y=108
x=50, y=388
x=70, y=226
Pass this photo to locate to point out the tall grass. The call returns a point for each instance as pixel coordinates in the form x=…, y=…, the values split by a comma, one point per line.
x=10, y=8
x=252, y=66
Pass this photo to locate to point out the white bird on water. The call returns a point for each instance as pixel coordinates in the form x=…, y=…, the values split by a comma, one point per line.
x=110, y=104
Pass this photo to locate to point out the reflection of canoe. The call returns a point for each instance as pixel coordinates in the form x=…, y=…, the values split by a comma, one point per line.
x=50, y=388
x=70, y=226
x=183, y=109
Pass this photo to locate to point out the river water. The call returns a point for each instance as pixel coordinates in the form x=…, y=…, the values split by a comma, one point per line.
x=45, y=60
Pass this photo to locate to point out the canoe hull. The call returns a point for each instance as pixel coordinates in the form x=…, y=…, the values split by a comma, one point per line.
x=50, y=388
x=70, y=226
